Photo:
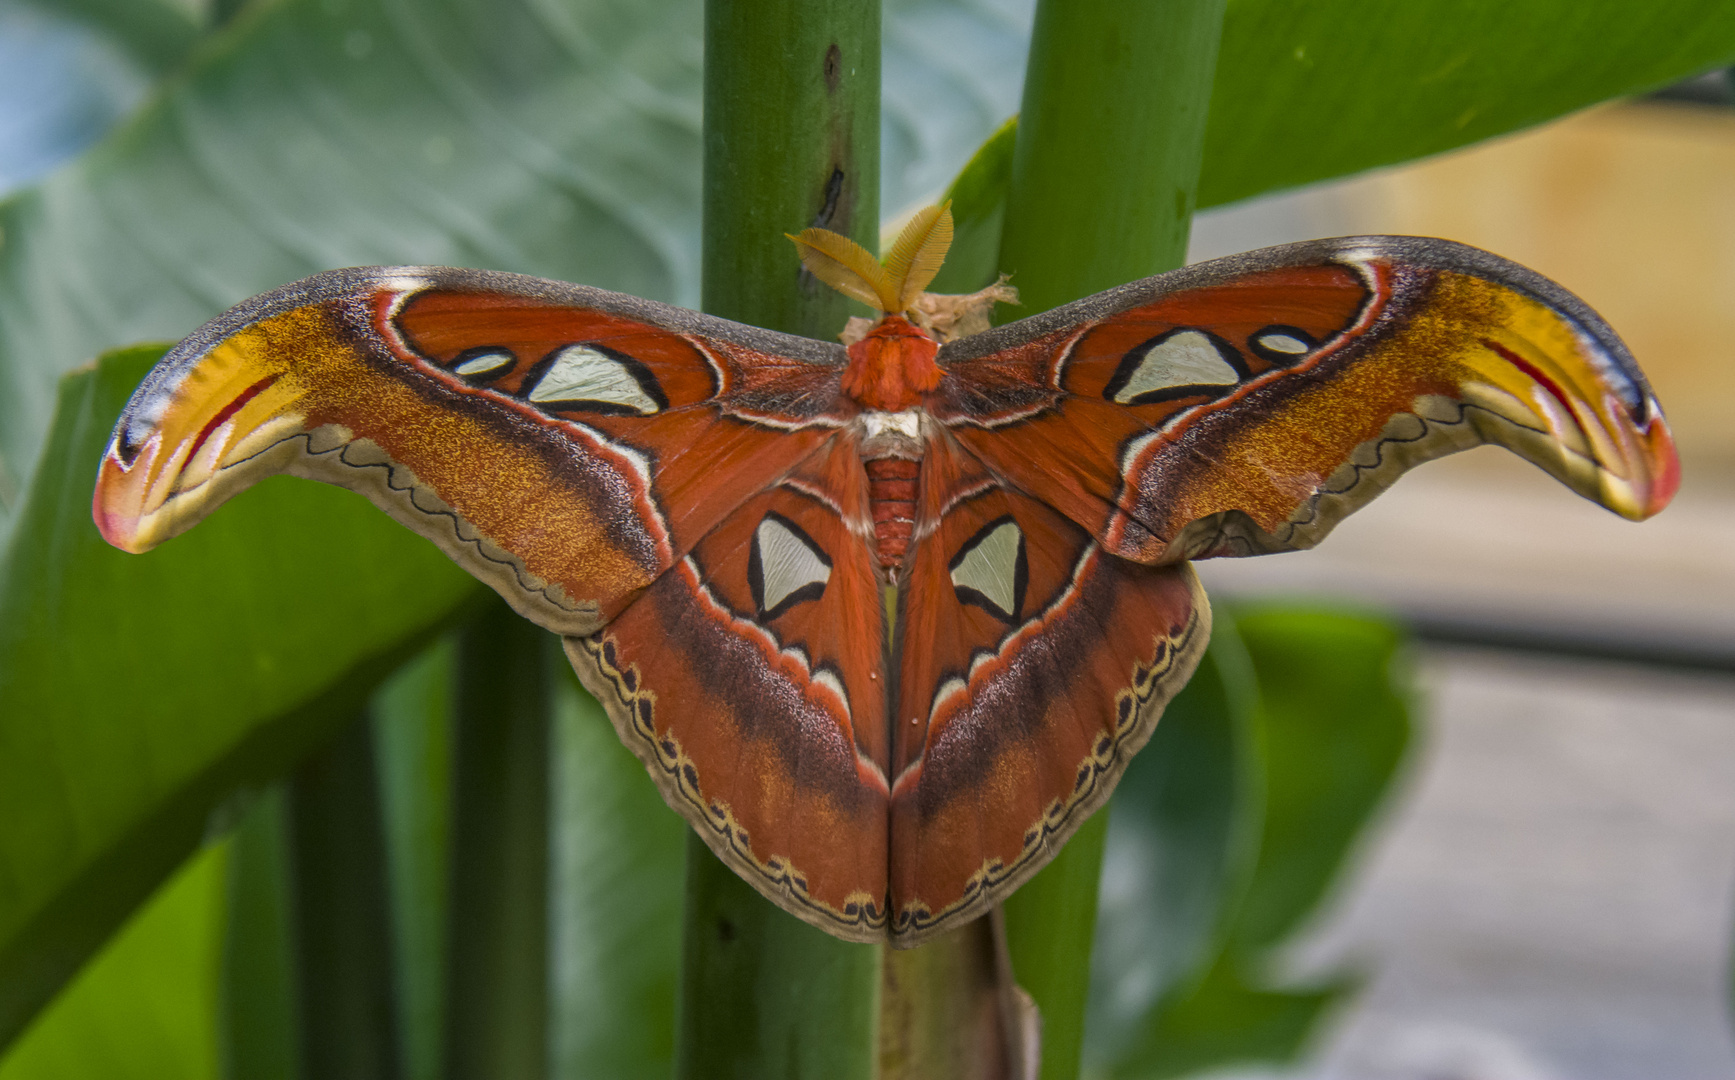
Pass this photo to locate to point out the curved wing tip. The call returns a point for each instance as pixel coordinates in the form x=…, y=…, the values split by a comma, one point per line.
x=1667, y=471
x=119, y=529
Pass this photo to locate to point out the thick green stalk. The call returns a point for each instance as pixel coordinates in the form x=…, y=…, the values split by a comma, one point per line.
x=949, y=1012
x=792, y=113
x=1104, y=176
x=497, y=941
x=257, y=1006
x=340, y=915
x=1106, y=167
x=791, y=140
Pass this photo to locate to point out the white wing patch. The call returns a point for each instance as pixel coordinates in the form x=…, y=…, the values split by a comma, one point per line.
x=991, y=570
x=1284, y=344
x=787, y=568
x=483, y=362
x=1186, y=358
x=584, y=373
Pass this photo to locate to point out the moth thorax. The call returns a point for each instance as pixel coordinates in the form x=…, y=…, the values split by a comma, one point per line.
x=891, y=451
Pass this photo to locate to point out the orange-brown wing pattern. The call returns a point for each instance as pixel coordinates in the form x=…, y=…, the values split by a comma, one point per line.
x=686, y=501
x=1247, y=405
x=1032, y=665
x=751, y=679
x=566, y=445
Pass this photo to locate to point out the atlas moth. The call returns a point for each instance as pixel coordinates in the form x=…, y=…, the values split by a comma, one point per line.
x=885, y=622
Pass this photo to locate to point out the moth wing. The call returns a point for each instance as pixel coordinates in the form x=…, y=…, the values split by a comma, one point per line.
x=1032, y=665
x=751, y=678
x=566, y=445
x=1247, y=405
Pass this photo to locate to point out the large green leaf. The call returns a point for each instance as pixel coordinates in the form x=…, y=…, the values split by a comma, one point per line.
x=1306, y=92
x=558, y=139
x=140, y=691
x=1309, y=92
x=1335, y=695
x=1328, y=735
x=1181, y=843
x=616, y=904
x=145, y=1007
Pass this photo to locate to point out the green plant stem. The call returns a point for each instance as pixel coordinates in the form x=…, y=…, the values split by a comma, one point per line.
x=340, y=914
x=791, y=140
x=1050, y=925
x=257, y=1005
x=792, y=112
x=763, y=994
x=947, y=1012
x=1095, y=201
x=497, y=942
x=1106, y=166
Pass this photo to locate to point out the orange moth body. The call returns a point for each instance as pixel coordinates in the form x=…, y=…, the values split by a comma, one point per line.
x=892, y=367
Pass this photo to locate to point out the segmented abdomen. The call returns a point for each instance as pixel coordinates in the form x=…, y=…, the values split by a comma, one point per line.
x=892, y=496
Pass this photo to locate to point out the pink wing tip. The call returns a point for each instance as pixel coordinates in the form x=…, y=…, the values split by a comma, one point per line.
x=1666, y=467
x=116, y=525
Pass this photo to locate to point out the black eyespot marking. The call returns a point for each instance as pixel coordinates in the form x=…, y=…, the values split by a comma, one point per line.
x=125, y=450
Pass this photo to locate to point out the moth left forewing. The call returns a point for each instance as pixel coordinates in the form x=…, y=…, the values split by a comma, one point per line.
x=1032, y=666
x=534, y=430
x=1249, y=404
x=750, y=679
